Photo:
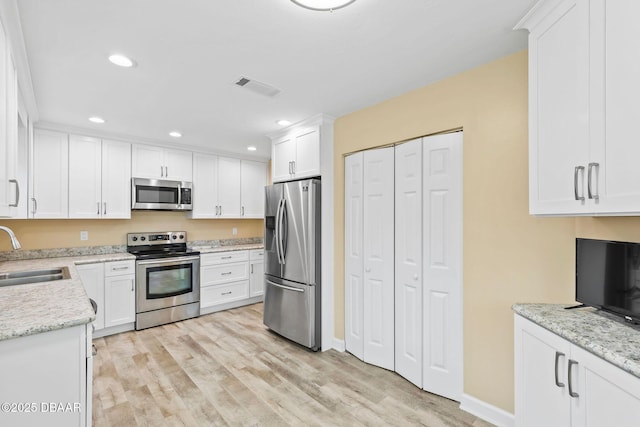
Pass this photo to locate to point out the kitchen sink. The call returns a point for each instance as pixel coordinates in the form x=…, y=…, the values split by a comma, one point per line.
x=33, y=276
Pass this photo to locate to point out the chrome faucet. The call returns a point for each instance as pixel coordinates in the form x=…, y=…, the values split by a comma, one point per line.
x=12, y=236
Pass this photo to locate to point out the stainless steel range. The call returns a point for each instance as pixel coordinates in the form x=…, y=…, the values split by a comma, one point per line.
x=167, y=278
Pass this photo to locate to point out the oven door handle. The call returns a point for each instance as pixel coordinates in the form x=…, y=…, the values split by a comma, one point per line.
x=170, y=260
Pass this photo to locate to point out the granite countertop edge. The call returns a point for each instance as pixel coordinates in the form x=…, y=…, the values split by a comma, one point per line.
x=42, y=307
x=603, y=334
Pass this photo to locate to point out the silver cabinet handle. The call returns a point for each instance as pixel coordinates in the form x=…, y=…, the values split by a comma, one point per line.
x=242, y=211
x=120, y=268
x=166, y=171
x=251, y=268
x=132, y=284
x=592, y=195
x=294, y=167
x=226, y=293
x=571, y=392
x=104, y=211
x=161, y=171
x=558, y=356
x=35, y=206
x=98, y=208
x=577, y=170
x=220, y=210
x=226, y=273
x=15, y=181
x=226, y=257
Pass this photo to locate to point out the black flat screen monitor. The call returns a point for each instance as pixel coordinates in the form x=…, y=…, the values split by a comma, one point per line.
x=608, y=276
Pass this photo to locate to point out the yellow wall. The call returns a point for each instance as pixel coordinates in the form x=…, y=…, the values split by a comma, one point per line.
x=509, y=256
x=45, y=234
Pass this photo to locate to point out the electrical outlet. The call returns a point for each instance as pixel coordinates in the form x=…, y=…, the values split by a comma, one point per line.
x=84, y=235
x=234, y=231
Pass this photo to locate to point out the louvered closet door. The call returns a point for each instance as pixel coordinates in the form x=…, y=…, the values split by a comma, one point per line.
x=353, y=256
x=378, y=251
x=408, y=261
x=442, y=258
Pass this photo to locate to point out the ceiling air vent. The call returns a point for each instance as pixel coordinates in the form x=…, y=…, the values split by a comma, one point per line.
x=258, y=87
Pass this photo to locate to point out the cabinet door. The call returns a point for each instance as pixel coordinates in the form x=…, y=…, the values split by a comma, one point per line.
x=283, y=152
x=11, y=196
x=147, y=161
x=205, y=186
x=178, y=165
x=541, y=385
x=120, y=300
x=92, y=277
x=116, y=179
x=50, y=175
x=85, y=177
x=408, y=261
x=608, y=396
x=229, y=187
x=253, y=178
x=353, y=256
x=559, y=110
x=256, y=282
x=307, y=160
x=614, y=95
x=378, y=248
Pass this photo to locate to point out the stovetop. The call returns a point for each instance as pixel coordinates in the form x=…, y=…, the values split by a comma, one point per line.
x=158, y=244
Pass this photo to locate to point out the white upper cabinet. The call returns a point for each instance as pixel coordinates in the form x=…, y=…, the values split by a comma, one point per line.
x=153, y=162
x=296, y=154
x=224, y=187
x=253, y=178
x=582, y=90
x=50, y=175
x=116, y=179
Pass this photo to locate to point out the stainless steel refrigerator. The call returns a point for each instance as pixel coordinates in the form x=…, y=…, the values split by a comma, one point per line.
x=292, y=261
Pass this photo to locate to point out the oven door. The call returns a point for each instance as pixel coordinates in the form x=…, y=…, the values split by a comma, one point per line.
x=167, y=282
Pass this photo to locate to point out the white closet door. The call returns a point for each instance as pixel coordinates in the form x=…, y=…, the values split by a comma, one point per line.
x=378, y=237
x=353, y=256
x=442, y=257
x=408, y=261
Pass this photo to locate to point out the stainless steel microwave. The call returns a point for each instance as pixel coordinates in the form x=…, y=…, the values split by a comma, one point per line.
x=160, y=194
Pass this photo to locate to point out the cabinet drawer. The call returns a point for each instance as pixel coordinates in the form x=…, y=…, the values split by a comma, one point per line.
x=223, y=273
x=257, y=255
x=224, y=257
x=118, y=268
x=213, y=295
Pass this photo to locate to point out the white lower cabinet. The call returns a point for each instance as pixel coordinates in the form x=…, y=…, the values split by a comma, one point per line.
x=558, y=383
x=256, y=272
x=225, y=281
x=112, y=286
x=46, y=378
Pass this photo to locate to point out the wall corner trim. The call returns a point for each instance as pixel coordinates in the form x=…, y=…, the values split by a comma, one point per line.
x=487, y=412
x=337, y=345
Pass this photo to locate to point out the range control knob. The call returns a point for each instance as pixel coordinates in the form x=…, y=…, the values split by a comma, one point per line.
x=174, y=237
x=181, y=236
x=134, y=238
x=143, y=238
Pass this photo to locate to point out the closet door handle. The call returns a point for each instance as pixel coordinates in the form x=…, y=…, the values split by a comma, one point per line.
x=558, y=356
x=571, y=392
x=592, y=195
x=576, y=171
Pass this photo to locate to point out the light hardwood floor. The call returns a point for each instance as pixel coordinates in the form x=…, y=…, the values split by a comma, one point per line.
x=226, y=368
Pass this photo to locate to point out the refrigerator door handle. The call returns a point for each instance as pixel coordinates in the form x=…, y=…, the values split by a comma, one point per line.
x=283, y=230
x=278, y=248
x=288, y=288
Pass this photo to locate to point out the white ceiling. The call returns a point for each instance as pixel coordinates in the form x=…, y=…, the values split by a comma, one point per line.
x=190, y=53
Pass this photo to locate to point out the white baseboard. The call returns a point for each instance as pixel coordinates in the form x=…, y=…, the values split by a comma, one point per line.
x=337, y=345
x=487, y=412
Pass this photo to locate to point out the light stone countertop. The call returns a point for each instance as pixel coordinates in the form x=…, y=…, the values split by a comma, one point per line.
x=213, y=249
x=47, y=306
x=601, y=333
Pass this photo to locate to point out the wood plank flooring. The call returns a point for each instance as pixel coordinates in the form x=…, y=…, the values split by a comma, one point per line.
x=226, y=368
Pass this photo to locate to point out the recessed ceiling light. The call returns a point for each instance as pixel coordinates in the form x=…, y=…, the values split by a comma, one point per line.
x=175, y=134
x=323, y=5
x=251, y=148
x=121, y=60
x=96, y=119
x=283, y=122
